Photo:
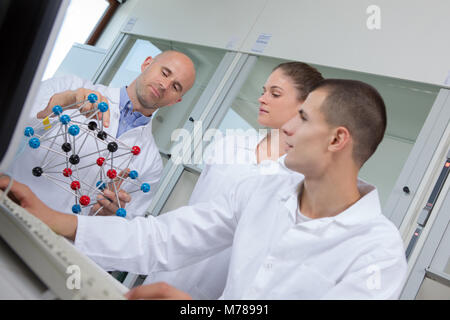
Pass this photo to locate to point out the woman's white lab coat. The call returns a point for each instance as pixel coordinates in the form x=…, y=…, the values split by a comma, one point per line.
x=148, y=163
x=357, y=254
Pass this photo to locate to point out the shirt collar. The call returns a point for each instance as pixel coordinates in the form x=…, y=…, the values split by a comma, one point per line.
x=366, y=208
x=124, y=99
x=125, y=103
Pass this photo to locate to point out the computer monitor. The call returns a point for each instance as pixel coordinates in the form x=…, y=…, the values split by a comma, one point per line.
x=35, y=263
x=28, y=30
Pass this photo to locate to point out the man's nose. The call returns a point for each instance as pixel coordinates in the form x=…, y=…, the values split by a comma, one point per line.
x=164, y=83
x=287, y=128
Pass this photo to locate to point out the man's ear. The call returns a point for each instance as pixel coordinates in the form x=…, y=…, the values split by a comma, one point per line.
x=146, y=63
x=171, y=104
x=340, y=139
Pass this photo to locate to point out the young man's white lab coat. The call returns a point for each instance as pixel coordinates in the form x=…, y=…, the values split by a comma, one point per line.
x=148, y=163
x=228, y=160
x=357, y=254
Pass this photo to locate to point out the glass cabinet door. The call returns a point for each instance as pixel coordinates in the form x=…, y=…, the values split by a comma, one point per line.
x=128, y=66
x=182, y=191
x=408, y=105
x=243, y=112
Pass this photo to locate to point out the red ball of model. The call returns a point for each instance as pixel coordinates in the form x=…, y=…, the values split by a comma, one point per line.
x=85, y=200
x=111, y=173
x=67, y=172
x=135, y=150
x=100, y=161
x=75, y=185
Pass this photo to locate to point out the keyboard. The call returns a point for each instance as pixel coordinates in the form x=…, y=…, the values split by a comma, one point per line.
x=67, y=272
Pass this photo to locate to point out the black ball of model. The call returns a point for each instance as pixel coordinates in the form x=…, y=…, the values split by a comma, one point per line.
x=37, y=171
x=74, y=159
x=66, y=147
x=112, y=147
x=92, y=125
x=102, y=135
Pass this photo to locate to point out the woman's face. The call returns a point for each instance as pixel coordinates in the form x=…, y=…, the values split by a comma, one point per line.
x=278, y=102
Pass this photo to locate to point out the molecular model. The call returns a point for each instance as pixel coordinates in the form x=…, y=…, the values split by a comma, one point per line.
x=64, y=138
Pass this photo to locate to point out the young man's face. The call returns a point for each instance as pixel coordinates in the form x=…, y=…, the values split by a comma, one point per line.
x=164, y=80
x=308, y=136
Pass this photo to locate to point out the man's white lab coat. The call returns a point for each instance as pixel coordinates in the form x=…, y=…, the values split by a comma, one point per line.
x=228, y=160
x=148, y=163
x=357, y=254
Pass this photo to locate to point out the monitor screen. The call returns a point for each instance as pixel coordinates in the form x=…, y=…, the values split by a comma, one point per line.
x=27, y=31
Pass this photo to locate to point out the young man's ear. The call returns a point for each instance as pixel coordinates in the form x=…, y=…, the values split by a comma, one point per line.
x=146, y=63
x=340, y=139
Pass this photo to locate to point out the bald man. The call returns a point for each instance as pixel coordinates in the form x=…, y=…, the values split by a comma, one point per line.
x=163, y=81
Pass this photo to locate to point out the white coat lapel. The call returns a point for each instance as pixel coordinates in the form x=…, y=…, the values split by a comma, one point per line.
x=114, y=112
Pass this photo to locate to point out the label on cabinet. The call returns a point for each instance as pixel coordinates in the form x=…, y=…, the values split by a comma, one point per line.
x=130, y=24
x=447, y=81
x=261, y=43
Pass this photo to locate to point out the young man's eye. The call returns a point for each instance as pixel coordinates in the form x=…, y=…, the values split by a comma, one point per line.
x=302, y=115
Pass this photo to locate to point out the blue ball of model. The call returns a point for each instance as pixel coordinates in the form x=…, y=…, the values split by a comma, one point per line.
x=76, y=208
x=57, y=110
x=101, y=185
x=74, y=130
x=121, y=212
x=102, y=106
x=92, y=98
x=29, y=131
x=145, y=187
x=65, y=119
x=133, y=174
x=34, y=143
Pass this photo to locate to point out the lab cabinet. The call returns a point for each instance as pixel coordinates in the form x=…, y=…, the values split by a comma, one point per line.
x=401, y=39
x=408, y=43
x=408, y=103
x=211, y=23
